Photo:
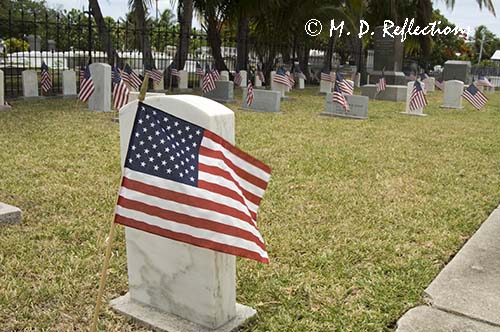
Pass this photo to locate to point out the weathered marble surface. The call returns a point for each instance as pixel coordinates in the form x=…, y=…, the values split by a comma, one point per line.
x=69, y=83
x=101, y=98
x=419, y=111
x=30, y=83
x=264, y=100
x=453, y=91
x=9, y=215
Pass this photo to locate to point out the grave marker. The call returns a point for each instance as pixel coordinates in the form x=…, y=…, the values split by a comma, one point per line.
x=223, y=92
x=30, y=83
x=417, y=112
x=358, y=107
x=457, y=70
x=101, y=98
x=183, y=80
x=9, y=215
x=430, y=84
x=69, y=83
x=453, y=91
x=224, y=75
x=263, y=101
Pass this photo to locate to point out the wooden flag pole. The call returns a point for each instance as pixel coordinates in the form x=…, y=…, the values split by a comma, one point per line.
x=104, y=272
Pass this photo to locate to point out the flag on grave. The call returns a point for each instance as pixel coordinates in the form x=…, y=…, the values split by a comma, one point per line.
x=174, y=71
x=280, y=77
x=120, y=91
x=417, y=97
x=45, y=80
x=199, y=70
x=262, y=78
x=130, y=77
x=299, y=73
x=155, y=74
x=344, y=86
x=423, y=76
x=326, y=75
x=338, y=97
x=475, y=97
x=439, y=85
x=208, y=81
x=381, y=85
x=86, y=85
x=186, y=183
x=237, y=78
x=482, y=80
x=291, y=80
x=215, y=73
x=249, y=99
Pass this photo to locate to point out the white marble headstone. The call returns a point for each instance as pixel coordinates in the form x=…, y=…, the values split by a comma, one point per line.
x=2, y=89
x=69, y=83
x=301, y=83
x=30, y=83
x=325, y=86
x=244, y=78
x=258, y=82
x=224, y=75
x=453, y=91
x=357, y=80
x=263, y=100
x=196, y=284
x=277, y=86
x=101, y=98
x=430, y=84
x=419, y=111
x=183, y=80
x=159, y=86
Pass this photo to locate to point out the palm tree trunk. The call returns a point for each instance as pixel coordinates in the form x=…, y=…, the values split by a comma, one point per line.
x=140, y=14
x=424, y=11
x=104, y=35
x=185, y=19
x=327, y=62
x=214, y=40
x=242, y=41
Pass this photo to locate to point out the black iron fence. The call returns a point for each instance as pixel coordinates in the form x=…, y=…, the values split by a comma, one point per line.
x=70, y=40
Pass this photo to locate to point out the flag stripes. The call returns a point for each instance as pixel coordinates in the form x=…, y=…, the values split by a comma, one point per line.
x=475, y=97
x=86, y=86
x=46, y=80
x=249, y=99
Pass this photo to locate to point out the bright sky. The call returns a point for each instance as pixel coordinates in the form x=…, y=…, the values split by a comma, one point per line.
x=466, y=12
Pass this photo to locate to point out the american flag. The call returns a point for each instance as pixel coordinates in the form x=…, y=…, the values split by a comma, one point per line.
x=249, y=99
x=439, y=85
x=130, y=77
x=299, y=73
x=381, y=85
x=199, y=70
x=423, y=76
x=46, y=80
x=208, y=81
x=186, y=183
x=291, y=80
x=326, y=75
x=215, y=73
x=237, y=78
x=280, y=77
x=475, y=97
x=155, y=74
x=120, y=90
x=86, y=85
x=338, y=97
x=484, y=82
x=344, y=86
x=82, y=74
x=173, y=70
x=417, y=97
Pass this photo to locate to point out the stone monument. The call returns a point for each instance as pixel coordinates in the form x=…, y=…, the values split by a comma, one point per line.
x=9, y=215
x=101, y=98
x=263, y=101
x=224, y=75
x=183, y=80
x=69, y=83
x=457, y=70
x=30, y=83
x=408, y=111
x=223, y=93
x=358, y=107
x=34, y=42
x=175, y=286
x=453, y=91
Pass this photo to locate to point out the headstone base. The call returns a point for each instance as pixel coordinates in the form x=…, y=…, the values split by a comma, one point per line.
x=451, y=107
x=338, y=115
x=391, y=93
x=9, y=215
x=166, y=322
x=5, y=107
x=415, y=114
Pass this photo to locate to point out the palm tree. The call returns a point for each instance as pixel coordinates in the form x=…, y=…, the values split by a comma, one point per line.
x=139, y=8
x=104, y=34
x=185, y=18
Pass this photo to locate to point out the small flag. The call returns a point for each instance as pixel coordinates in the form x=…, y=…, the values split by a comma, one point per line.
x=155, y=74
x=280, y=77
x=423, y=76
x=338, y=97
x=46, y=80
x=199, y=70
x=299, y=73
x=417, y=97
x=82, y=74
x=86, y=85
x=483, y=81
x=249, y=93
x=291, y=80
x=381, y=85
x=120, y=91
x=174, y=71
x=326, y=75
x=475, y=97
x=130, y=77
x=208, y=81
x=439, y=85
x=237, y=78
x=186, y=183
x=344, y=86
x=215, y=73
x=260, y=73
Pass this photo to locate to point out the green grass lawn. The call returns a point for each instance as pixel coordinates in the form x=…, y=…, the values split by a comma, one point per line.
x=359, y=216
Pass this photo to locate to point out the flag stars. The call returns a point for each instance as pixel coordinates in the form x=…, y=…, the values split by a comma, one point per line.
x=190, y=136
x=155, y=146
x=151, y=159
x=133, y=147
x=187, y=128
x=150, y=138
x=152, y=125
x=181, y=175
x=146, y=151
x=140, y=121
x=172, y=158
x=165, y=119
x=143, y=164
x=157, y=133
x=147, y=116
x=137, y=134
x=163, y=162
x=198, y=132
x=162, y=141
x=195, y=145
x=141, y=143
x=138, y=156
x=176, y=123
x=144, y=129
x=130, y=160
x=158, y=154
x=176, y=166
x=156, y=167
x=179, y=132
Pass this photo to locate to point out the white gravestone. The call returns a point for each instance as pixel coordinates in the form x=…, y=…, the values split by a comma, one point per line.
x=175, y=286
x=223, y=92
x=2, y=90
x=301, y=83
x=101, y=98
x=358, y=107
x=453, y=90
x=30, y=84
x=430, y=84
x=69, y=83
x=419, y=111
x=244, y=78
x=263, y=101
x=258, y=82
x=325, y=87
x=159, y=86
x=134, y=95
x=281, y=88
x=357, y=80
x=183, y=80
x=224, y=75
x=9, y=215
